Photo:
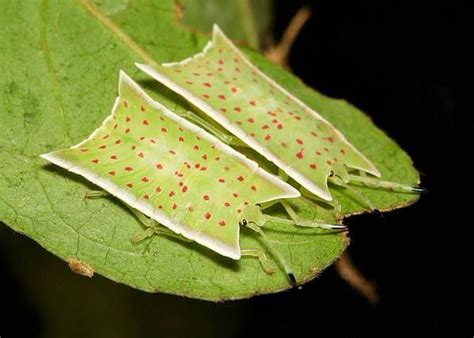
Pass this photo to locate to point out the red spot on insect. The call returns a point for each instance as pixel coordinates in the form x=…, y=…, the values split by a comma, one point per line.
x=145, y=179
x=237, y=109
x=329, y=162
x=196, y=147
x=275, y=121
x=129, y=169
x=207, y=215
x=265, y=126
x=251, y=120
x=246, y=203
x=142, y=138
x=222, y=97
x=152, y=141
x=103, y=146
x=127, y=130
x=160, y=206
x=181, y=139
x=299, y=141
x=234, y=90
x=209, y=74
x=280, y=126
x=271, y=113
x=112, y=172
x=185, y=188
x=207, y=84
x=203, y=169
x=300, y=154
x=127, y=118
x=298, y=118
x=318, y=153
x=130, y=185
x=330, y=139
x=197, y=165
x=141, y=155
x=268, y=137
x=145, y=122
x=254, y=187
x=218, y=158
x=222, y=223
x=142, y=108
x=172, y=152
x=227, y=204
x=175, y=206
x=235, y=194
x=171, y=193
x=205, y=96
x=221, y=62
x=240, y=178
x=134, y=147
x=223, y=110
x=180, y=184
x=253, y=103
x=146, y=197
x=113, y=157
x=204, y=157
x=313, y=166
x=164, y=130
x=343, y=151
x=205, y=197
x=118, y=141
x=239, y=211
x=95, y=161
x=221, y=180
x=84, y=150
x=158, y=189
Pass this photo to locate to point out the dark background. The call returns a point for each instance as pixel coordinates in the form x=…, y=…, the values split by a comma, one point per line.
x=402, y=63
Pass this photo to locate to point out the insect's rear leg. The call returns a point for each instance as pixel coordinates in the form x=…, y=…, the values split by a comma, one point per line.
x=152, y=226
x=262, y=258
x=374, y=182
x=223, y=136
x=266, y=241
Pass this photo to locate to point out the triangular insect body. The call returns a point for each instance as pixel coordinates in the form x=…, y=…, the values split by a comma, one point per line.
x=172, y=171
x=223, y=83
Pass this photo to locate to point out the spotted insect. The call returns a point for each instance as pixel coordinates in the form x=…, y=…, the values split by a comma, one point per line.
x=180, y=176
x=225, y=85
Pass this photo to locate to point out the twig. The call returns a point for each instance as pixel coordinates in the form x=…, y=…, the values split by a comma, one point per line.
x=349, y=272
x=279, y=53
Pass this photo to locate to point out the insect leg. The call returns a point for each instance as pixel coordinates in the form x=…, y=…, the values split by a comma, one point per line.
x=377, y=183
x=152, y=228
x=360, y=196
x=262, y=258
x=295, y=220
x=96, y=193
x=224, y=137
x=275, y=252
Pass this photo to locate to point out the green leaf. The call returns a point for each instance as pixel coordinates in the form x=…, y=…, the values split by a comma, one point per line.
x=59, y=66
